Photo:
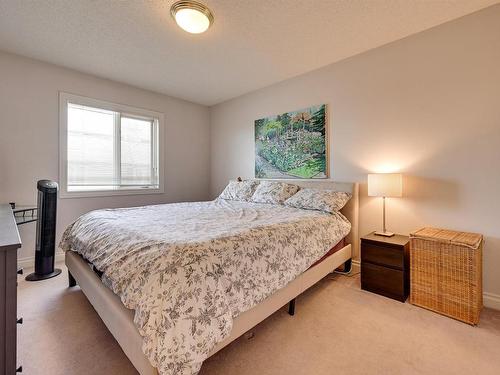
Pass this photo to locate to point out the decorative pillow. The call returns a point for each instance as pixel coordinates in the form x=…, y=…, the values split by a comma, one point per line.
x=239, y=190
x=322, y=200
x=273, y=192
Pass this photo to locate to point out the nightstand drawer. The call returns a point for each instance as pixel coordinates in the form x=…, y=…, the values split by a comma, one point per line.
x=381, y=255
x=385, y=281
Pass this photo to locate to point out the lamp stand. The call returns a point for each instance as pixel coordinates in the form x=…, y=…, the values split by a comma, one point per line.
x=384, y=233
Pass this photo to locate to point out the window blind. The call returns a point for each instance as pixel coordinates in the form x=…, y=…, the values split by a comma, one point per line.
x=110, y=150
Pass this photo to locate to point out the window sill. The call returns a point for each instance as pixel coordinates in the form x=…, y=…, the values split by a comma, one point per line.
x=108, y=193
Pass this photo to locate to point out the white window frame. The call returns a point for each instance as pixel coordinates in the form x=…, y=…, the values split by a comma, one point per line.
x=66, y=98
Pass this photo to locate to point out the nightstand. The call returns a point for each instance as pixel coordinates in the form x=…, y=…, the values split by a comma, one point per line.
x=385, y=265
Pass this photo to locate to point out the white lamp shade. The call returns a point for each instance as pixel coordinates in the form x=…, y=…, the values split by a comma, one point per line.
x=385, y=185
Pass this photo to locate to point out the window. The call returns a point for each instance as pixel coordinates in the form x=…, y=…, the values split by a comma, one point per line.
x=108, y=149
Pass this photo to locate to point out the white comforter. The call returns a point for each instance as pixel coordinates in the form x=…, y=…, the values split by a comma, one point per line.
x=188, y=269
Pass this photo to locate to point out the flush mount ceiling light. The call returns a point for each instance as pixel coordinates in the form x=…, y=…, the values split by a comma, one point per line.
x=192, y=16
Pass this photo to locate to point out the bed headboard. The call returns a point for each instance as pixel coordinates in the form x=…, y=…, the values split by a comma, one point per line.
x=351, y=209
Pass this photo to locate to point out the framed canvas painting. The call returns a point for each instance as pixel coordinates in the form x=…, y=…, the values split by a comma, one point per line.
x=292, y=144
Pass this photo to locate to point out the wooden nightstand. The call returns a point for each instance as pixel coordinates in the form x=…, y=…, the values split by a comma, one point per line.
x=385, y=265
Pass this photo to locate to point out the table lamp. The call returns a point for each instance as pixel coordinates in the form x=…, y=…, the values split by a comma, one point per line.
x=385, y=185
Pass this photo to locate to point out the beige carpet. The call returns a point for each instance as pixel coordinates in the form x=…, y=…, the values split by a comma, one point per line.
x=338, y=329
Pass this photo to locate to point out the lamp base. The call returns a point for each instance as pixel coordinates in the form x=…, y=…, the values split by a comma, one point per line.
x=385, y=234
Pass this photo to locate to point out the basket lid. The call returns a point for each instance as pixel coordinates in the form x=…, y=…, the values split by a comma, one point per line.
x=472, y=240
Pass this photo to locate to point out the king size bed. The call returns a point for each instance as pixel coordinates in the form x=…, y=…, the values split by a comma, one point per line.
x=176, y=283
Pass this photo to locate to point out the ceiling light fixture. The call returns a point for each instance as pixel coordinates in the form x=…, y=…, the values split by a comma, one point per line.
x=192, y=16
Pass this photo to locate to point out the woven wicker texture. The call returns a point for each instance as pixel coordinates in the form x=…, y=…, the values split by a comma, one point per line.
x=444, y=235
x=446, y=272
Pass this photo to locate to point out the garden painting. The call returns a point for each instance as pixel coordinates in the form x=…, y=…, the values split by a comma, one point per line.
x=292, y=145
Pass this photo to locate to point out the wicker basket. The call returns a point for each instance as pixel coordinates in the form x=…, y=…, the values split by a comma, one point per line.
x=446, y=272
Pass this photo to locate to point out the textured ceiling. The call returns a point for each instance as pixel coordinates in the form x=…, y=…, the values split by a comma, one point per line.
x=252, y=44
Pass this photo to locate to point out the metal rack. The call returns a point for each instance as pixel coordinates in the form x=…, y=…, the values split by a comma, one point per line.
x=25, y=214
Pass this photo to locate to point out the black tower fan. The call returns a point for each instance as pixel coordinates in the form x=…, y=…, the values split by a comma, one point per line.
x=45, y=247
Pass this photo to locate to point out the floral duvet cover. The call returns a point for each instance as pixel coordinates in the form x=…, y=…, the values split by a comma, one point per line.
x=188, y=269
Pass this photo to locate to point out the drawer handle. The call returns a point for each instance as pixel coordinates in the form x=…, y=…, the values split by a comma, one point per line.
x=19, y=369
x=19, y=321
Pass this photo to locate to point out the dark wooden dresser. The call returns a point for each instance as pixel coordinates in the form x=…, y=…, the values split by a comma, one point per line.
x=385, y=265
x=9, y=243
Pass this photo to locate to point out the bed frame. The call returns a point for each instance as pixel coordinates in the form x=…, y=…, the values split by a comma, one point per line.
x=119, y=320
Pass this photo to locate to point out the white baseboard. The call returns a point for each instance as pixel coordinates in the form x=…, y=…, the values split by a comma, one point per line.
x=29, y=262
x=491, y=300
x=356, y=266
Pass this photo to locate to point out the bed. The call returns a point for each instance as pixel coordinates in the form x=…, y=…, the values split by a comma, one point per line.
x=240, y=294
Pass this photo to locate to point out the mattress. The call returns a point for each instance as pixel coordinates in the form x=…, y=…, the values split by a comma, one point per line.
x=188, y=269
x=332, y=251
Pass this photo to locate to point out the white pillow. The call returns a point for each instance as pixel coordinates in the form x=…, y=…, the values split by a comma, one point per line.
x=239, y=190
x=273, y=192
x=322, y=200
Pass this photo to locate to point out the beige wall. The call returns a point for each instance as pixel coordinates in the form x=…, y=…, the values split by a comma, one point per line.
x=427, y=105
x=29, y=125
